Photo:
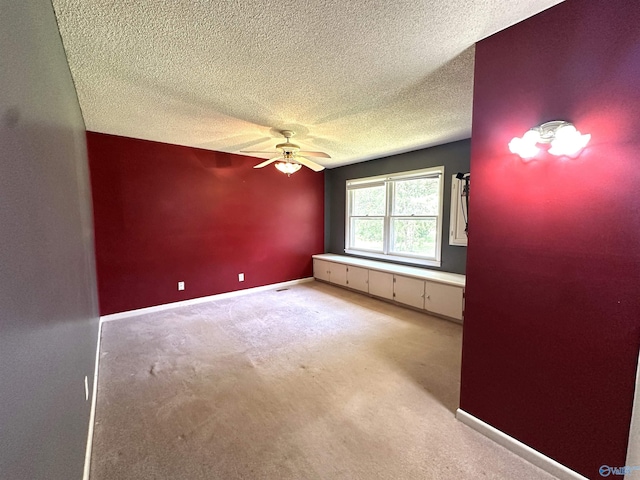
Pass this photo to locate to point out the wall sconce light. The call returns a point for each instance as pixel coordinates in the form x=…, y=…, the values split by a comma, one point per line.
x=288, y=167
x=563, y=137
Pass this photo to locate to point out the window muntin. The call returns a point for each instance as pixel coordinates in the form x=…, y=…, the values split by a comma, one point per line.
x=398, y=217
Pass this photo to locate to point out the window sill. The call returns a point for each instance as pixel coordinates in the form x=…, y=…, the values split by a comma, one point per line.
x=395, y=258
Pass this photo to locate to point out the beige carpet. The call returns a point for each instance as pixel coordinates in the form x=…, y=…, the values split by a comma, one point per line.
x=312, y=382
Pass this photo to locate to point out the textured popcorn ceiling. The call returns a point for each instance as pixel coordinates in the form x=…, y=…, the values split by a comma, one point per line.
x=356, y=79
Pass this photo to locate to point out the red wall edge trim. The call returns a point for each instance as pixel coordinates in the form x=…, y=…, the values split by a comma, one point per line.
x=166, y=213
x=552, y=325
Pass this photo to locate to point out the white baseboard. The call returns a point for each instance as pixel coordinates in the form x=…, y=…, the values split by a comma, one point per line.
x=92, y=415
x=195, y=301
x=533, y=456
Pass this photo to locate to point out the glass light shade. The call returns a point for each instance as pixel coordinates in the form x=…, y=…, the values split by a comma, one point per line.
x=565, y=132
x=562, y=135
x=531, y=137
x=524, y=146
x=568, y=141
x=288, y=167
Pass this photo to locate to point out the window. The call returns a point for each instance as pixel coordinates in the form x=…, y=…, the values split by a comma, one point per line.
x=396, y=217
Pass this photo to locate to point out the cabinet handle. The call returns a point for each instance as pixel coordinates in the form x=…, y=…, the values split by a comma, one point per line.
x=428, y=297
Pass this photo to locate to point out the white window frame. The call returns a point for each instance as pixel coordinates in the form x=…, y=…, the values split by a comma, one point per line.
x=389, y=182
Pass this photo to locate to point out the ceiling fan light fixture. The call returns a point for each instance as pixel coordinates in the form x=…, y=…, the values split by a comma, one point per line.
x=290, y=159
x=288, y=167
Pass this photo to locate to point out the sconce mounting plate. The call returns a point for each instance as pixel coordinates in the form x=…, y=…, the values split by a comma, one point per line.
x=547, y=131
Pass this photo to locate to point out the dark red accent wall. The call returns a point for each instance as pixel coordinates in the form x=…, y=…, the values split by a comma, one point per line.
x=167, y=213
x=552, y=326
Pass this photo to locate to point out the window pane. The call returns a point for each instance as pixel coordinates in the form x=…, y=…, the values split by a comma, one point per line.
x=417, y=197
x=414, y=236
x=367, y=233
x=368, y=201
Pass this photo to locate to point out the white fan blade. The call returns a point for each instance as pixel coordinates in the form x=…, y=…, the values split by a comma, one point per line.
x=314, y=154
x=264, y=164
x=308, y=163
x=256, y=153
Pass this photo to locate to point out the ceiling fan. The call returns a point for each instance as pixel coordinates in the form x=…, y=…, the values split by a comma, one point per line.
x=290, y=158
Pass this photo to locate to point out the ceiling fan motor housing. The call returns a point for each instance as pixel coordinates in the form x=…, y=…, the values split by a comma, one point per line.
x=291, y=155
x=288, y=147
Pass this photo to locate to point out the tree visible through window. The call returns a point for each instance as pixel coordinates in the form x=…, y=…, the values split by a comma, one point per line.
x=396, y=216
x=368, y=208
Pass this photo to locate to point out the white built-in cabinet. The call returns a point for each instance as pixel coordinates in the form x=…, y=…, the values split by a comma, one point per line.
x=338, y=274
x=341, y=274
x=381, y=284
x=322, y=270
x=358, y=278
x=408, y=290
x=440, y=293
x=443, y=299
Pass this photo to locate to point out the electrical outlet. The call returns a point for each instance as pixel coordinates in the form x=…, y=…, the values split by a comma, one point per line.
x=180, y=285
x=241, y=277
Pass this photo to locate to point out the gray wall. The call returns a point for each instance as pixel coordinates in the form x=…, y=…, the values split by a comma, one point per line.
x=48, y=302
x=454, y=156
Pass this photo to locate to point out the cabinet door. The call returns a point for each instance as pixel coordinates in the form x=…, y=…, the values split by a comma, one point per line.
x=443, y=299
x=409, y=291
x=358, y=278
x=457, y=222
x=321, y=269
x=338, y=273
x=381, y=284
